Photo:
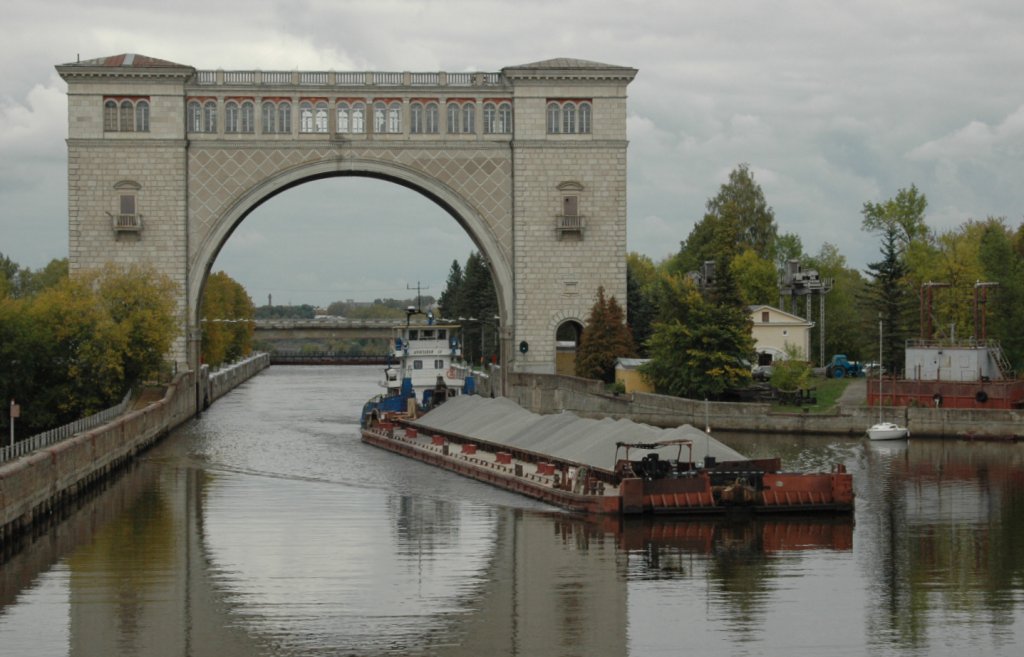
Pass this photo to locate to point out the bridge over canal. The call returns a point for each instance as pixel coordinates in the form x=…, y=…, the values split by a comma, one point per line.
x=165, y=161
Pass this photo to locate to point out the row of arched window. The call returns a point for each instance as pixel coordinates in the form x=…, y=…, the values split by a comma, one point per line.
x=569, y=117
x=126, y=115
x=351, y=116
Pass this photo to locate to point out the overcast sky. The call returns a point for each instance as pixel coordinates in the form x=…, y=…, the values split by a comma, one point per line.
x=831, y=104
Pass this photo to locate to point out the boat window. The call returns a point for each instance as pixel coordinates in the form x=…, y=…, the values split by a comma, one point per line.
x=417, y=364
x=428, y=334
x=442, y=334
x=412, y=334
x=438, y=364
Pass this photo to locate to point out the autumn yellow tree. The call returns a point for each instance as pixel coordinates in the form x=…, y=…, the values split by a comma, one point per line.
x=227, y=314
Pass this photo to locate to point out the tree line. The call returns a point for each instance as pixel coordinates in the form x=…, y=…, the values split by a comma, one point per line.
x=70, y=347
x=689, y=313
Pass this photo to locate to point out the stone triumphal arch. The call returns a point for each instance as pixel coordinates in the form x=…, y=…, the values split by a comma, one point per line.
x=165, y=160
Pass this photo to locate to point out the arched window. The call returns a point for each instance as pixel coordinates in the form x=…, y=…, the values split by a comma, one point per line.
x=395, y=118
x=505, y=118
x=305, y=116
x=110, y=116
x=358, y=117
x=343, y=112
x=554, y=118
x=195, y=116
x=468, y=118
x=490, y=118
x=416, y=118
x=231, y=116
x=320, y=120
x=433, y=122
x=127, y=116
x=584, y=123
x=284, y=117
x=569, y=118
x=247, y=119
x=142, y=116
x=210, y=116
x=268, y=116
x=379, y=117
x=453, y=118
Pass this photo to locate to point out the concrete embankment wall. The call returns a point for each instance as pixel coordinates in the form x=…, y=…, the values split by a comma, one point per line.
x=545, y=393
x=33, y=486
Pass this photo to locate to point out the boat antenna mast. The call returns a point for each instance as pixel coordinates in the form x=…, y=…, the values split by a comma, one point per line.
x=418, y=308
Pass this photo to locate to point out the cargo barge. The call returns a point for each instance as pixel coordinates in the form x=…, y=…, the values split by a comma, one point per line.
x=663, y=479
x=590, y=466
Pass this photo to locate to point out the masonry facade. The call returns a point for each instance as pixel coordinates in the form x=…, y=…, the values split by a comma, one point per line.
x=165, y=160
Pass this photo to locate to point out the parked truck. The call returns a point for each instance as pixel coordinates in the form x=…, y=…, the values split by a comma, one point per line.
x=840, y=366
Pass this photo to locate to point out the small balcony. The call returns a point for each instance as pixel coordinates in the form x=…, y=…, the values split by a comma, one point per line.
x=126, y=223
x=569, y=224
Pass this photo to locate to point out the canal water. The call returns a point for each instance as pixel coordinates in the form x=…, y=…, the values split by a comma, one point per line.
x=265, y=527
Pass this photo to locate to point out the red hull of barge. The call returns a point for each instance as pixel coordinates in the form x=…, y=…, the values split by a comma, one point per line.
x=606, y=493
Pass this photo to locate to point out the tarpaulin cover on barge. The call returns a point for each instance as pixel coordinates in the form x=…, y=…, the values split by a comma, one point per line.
x=563, y=435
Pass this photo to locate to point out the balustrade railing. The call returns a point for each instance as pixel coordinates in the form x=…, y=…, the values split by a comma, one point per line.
x=47, y=438
x=126, y=222
x=346, y=78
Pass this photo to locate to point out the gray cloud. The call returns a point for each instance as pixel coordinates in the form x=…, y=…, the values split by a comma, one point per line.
x=831, y=105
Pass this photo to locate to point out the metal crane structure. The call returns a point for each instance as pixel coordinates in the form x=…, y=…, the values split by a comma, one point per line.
x=798, y=282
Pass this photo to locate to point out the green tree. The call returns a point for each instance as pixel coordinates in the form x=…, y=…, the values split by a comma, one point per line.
x=756, y=277
x=738, y=217
x=890, y=299
x=1001, y=253
x=788, y=246
x=793, y=372
x=470, y=297
x=641, y=275
x=700, y=347
x=141, y=303
x=900, y=223
x=605, y=338
x=904, y=213
x=76, y=346
x=451, y=298
x=845, y=329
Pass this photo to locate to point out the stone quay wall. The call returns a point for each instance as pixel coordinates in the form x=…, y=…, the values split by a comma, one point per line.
x=544, y=393
x=34, y=486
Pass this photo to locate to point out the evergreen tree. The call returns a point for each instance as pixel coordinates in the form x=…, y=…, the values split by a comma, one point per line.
x=700, y=347
x=605, y=338
x=890, y=294
x=890, y=299
x=470, y=298
x=450, y=300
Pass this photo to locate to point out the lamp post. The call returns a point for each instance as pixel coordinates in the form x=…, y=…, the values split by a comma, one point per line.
x=15, y=413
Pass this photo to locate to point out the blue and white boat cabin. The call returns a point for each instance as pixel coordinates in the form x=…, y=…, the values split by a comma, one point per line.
x=424, y=369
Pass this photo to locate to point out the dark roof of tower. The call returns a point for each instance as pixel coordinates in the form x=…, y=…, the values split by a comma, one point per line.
x=127, y=60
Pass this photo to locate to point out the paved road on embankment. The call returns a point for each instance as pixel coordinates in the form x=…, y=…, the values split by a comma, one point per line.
x=856, y=393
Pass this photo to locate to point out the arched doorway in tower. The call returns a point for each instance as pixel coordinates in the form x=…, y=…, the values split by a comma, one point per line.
x=567, y=339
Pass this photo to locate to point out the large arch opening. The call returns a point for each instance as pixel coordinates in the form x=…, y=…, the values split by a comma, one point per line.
x=383, y=229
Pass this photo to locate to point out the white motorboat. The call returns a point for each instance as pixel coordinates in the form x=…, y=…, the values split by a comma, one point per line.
x=884, y=430
x=888, y=431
